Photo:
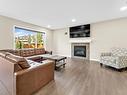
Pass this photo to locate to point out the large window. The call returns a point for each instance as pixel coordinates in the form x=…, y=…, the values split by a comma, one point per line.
x=25, y=38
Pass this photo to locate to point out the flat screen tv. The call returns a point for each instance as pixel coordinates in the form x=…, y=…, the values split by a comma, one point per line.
x=80, y=31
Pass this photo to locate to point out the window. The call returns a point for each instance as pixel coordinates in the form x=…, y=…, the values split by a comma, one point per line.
x=25, y=38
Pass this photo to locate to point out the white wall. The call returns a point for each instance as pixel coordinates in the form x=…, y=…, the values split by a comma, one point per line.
x=61, y=42
x=104, y=35
x=6, y=32
x=107, y=35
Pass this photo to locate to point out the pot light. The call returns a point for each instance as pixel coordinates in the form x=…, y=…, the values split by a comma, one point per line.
x=73, y=20
x=49, y=26
x=123, y=8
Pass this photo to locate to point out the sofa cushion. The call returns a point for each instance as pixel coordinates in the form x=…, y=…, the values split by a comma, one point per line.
x=15, y=52
x=4, y=54
x=110, y=59
x=33, y=57
x=40, y=51
x=27, y=52
x=17, y=67
x=19, y=60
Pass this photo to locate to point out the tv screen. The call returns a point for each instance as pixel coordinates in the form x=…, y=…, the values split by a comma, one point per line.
x=80, y=31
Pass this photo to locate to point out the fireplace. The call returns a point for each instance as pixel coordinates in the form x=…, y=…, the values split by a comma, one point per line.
x=80, y=50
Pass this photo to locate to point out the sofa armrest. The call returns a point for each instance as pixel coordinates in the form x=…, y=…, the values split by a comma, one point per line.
x=48, y=52
x=106, y=54
x=31, y=79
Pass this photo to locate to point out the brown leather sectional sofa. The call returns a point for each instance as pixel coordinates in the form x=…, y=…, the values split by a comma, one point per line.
x=21, y=73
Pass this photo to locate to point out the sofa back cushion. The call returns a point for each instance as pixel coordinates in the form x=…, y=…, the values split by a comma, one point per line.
x=22, y=62
x=40, y=51
x=119, y=51
x=15, y=52
x=27, y=52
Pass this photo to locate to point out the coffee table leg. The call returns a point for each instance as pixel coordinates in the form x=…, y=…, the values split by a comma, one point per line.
x=64, y=64
x=55, y=65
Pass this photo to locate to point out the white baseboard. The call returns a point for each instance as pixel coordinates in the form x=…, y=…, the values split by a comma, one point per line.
x=95, y=60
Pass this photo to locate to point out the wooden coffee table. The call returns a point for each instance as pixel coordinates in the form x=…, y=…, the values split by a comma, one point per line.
x=59, y=60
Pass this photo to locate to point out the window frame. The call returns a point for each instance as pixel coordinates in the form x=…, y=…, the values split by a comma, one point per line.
x=29, y=29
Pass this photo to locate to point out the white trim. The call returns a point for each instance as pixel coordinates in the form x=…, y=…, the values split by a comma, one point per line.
x=95, y=60
x=31, y=29
x=27, y=28
x=13, y=36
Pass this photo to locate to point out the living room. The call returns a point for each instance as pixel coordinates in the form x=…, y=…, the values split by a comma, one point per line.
x=33, y=34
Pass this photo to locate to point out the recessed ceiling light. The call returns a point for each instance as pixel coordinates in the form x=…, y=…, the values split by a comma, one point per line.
x=73, y=20
x=123, y=8
x=49, y=26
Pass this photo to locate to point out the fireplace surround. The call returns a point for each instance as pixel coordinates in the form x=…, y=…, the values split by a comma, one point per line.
x=80, y=50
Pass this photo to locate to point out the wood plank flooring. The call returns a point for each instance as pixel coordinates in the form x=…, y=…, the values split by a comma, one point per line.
x=86, y=78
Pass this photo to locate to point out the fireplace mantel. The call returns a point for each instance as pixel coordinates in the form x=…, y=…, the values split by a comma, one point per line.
x=88, y=40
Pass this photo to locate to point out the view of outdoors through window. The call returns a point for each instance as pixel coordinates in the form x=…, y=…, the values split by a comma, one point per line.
x=28, y=39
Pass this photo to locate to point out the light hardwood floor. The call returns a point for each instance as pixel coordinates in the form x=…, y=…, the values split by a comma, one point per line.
x=86, y=78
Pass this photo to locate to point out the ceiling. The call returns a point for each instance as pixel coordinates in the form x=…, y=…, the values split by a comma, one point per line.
x=59, y=13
